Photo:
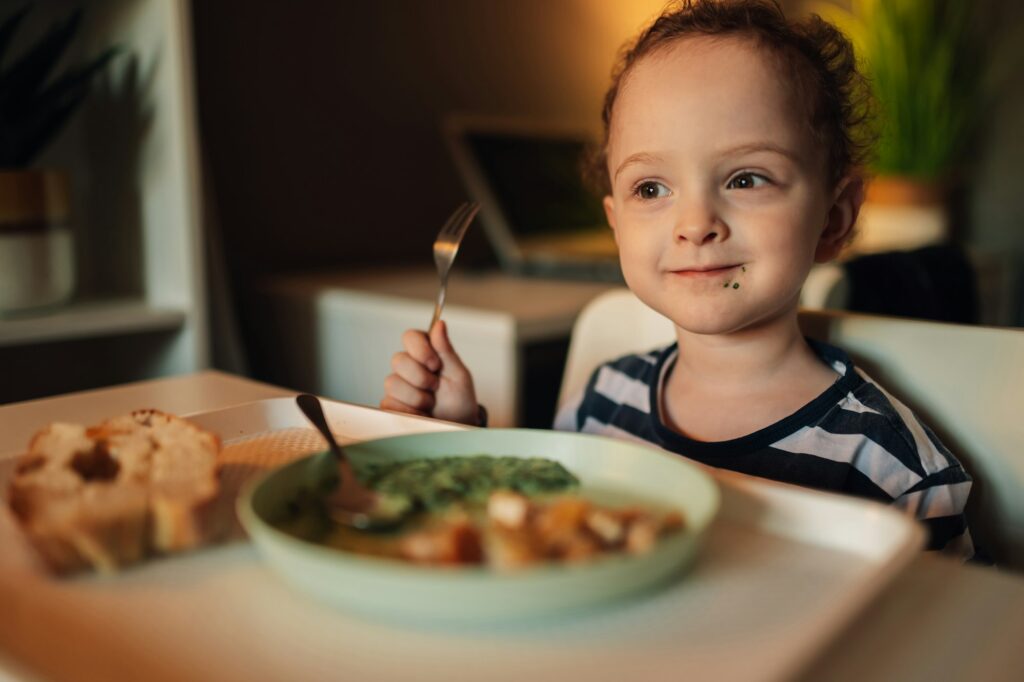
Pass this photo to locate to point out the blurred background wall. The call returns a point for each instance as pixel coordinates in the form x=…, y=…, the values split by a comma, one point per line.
x=320, y=119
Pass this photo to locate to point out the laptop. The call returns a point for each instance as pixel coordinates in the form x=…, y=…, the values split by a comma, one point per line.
x=538, y=214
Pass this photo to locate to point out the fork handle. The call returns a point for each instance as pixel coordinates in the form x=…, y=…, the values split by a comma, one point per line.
x=438, y=306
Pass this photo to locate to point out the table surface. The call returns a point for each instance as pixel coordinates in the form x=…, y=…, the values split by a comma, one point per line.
x=939, y=619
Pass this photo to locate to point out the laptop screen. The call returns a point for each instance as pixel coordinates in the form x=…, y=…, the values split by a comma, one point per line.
x=537, y=180
x=540, y=216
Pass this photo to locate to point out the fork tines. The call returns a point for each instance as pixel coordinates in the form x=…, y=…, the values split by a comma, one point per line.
x=459, y=221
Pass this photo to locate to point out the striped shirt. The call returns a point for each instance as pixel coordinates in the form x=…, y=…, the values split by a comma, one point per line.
x=854, y=438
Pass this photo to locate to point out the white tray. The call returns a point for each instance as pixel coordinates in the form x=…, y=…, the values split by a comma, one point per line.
x=782, y=571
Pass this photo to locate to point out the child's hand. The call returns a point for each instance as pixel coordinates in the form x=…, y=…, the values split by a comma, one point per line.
x=429, y=379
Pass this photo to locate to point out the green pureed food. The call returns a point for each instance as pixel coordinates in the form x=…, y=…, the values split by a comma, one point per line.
x=502, y=512
x=433, y=484
x=426, y=487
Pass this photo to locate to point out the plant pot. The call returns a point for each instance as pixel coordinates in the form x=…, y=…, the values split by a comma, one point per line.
x=36, y=247
x=900, y=214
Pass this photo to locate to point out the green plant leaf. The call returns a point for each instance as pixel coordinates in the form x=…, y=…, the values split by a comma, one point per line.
x=925, y=61
x=77, y=77
x=33, y=105
x=26, y=76
x=55, y=104
x=9, y=29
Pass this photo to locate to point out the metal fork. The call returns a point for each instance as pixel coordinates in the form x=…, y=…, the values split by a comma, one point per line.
x=446, y=245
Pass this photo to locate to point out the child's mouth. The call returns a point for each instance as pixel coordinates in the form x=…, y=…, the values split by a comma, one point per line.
x=706, y=272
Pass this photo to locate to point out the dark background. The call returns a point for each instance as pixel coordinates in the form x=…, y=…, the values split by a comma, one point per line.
x=320, y=120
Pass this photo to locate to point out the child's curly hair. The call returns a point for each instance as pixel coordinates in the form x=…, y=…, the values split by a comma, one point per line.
x=819, y=57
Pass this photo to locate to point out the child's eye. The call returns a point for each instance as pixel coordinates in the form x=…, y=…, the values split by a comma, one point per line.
x=746, y=181
x=649, y=189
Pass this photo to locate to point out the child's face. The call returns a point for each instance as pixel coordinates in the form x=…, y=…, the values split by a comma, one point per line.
x=719, y=192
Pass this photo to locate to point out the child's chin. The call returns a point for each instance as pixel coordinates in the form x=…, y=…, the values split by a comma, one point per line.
x=710, y=328
x=720, y=322
x=704, y=322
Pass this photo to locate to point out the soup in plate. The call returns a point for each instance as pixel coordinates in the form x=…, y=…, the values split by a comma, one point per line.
x=478, y=510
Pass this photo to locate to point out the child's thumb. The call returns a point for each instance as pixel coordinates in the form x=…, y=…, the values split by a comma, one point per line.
x=442, y=344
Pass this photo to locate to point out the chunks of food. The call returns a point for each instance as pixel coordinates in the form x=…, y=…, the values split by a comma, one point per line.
x=502, y=512
x=517, y=531
x=104, y=496
x=455, y=541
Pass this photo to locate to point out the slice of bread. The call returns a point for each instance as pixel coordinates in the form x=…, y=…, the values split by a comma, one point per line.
x=109, y=495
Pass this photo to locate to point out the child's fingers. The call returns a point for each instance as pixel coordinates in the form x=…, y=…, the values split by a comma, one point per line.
x=413, y=372
x=389, y=403
x=417, y=345
x=402, y=391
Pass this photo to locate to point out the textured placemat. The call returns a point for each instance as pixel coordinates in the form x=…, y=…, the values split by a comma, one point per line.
x=242, y=458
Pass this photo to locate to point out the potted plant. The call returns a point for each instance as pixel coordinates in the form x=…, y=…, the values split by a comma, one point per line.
x=924, y=61
x=36, y=251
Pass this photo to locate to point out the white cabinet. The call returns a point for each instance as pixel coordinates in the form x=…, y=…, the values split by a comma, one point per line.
x=334, y=334
x=132, y=153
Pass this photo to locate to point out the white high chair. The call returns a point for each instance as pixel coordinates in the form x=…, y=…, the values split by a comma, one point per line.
x=966, y=382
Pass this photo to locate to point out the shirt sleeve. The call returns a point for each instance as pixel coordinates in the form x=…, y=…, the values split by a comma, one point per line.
x=938, y=501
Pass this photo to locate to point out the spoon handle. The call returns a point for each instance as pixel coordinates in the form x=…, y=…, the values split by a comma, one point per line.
x=310, y=406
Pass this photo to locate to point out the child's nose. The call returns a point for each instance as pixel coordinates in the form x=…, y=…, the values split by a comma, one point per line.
x=699, y=223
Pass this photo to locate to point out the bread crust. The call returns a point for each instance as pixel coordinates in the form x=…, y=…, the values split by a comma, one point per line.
x=110, y=495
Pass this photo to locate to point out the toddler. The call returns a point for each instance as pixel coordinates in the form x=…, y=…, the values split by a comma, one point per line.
x=732, y=162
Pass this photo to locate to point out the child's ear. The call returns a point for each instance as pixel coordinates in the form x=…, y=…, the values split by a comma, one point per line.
x=609, y=213
x=849, y=196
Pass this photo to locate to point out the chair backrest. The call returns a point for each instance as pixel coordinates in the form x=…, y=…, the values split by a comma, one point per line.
x=966, y=382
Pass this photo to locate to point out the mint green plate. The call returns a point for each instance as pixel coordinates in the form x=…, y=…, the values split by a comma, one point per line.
x=609, y=470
